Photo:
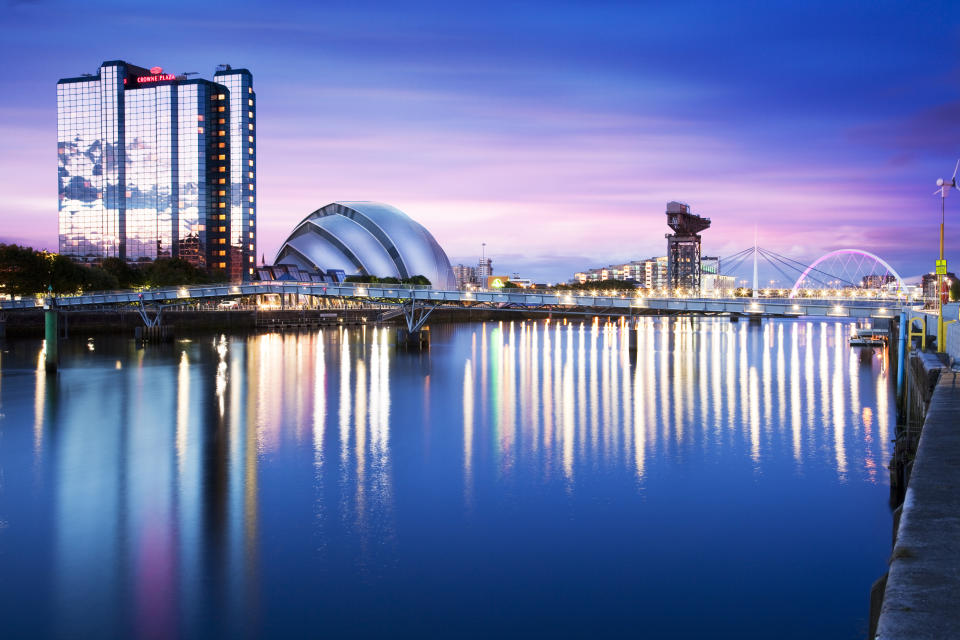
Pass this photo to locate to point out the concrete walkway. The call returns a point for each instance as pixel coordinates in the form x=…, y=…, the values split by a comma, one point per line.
x=922, y=597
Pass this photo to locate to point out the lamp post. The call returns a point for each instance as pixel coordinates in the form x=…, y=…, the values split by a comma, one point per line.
x=943, y=186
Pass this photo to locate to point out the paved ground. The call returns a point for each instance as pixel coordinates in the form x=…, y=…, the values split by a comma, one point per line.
x=922, y=598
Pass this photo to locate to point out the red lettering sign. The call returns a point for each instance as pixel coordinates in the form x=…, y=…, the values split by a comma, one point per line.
x=160, y=77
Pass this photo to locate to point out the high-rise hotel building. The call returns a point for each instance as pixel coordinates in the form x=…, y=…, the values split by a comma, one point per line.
x=155, y=164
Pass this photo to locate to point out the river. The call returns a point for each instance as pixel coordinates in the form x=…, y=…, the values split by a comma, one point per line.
x=519, y=479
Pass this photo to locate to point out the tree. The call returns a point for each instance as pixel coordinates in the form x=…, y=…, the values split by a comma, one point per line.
x=127, y=275
x=417, y=280
x=361, y=279
x=23, y=271
x=166, y=272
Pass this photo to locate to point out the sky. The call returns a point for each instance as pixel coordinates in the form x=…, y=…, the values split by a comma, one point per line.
x=554, y=132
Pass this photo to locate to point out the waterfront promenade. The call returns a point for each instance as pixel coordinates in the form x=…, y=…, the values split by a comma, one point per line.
x=923, y=585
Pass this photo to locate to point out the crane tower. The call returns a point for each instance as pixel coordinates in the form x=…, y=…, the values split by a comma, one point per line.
x=683, y=247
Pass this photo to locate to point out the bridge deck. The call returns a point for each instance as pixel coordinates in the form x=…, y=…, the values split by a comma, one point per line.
x=559, y=300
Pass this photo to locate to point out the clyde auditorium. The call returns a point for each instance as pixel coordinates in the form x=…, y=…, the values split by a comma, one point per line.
x=366, y=238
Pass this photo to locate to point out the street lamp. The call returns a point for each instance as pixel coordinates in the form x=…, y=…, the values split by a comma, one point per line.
x=943, y=186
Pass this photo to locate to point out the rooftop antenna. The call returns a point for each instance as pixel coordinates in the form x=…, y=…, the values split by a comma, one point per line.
x=943, y=187
x=190, y=73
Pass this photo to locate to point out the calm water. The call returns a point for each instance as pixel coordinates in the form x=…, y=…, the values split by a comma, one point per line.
x=519, y=479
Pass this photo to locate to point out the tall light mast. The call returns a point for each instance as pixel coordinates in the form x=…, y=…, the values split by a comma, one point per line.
x=943, y=186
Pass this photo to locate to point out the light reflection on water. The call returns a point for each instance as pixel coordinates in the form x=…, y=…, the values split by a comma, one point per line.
x=270, y=482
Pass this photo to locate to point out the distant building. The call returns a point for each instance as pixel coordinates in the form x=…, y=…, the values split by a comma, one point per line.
x=465, y=275
x=929, y=284
x=158, y=165
x=878, y=281
x=650, y=273
x=655, y=273
x=683, y=246
x=484, y=269
x=716, y=283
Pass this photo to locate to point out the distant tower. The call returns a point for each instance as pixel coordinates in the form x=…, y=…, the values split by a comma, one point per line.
x=683, y=247
x=484, y=266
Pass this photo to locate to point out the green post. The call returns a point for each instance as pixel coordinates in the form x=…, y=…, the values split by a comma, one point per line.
x=52, y=360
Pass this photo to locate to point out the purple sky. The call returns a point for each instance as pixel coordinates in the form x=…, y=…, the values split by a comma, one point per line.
x=554, y=132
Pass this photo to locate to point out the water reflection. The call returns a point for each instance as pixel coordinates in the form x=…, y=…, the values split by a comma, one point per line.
x=179, y=481
x=572, y=395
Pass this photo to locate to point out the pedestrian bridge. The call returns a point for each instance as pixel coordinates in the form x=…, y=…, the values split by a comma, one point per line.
x=627, y=304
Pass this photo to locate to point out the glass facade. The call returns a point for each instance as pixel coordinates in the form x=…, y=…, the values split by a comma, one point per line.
x=241, y=221
x=155, y=165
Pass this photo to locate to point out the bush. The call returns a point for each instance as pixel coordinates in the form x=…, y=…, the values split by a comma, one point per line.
x=367, y=279
x=601, y=285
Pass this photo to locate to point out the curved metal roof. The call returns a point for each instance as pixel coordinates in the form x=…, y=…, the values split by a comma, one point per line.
x=367, y=238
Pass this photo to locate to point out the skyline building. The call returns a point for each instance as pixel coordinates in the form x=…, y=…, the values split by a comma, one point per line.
x=465, y=275
x=484, y=269
x=158, y=165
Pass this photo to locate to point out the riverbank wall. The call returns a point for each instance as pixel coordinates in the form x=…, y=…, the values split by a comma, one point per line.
x=918, y=596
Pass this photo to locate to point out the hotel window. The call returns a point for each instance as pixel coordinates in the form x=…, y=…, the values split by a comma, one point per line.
x=223, y=229
x=221, y=97
x=200, y=118
x=251, y=126
x=250, y=150
x=222, y=181
x=221, y=253
x=251, y=235
x=223, y=265
x=221, y=193
x=223, y=205
x=250, y=102
x=249, y=114
x=251, y=247
x=251, y=163
x=249, y=89
x=222, y=241
x=221, y=217
x=222, y=145
x=250, y=174
x=199, y=129
x=223, y=169
x=251, y=198
x=249, y=138
x=222, y=157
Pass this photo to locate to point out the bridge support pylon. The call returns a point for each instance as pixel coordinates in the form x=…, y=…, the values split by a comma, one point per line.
x=415, y=336
x=51, y=336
